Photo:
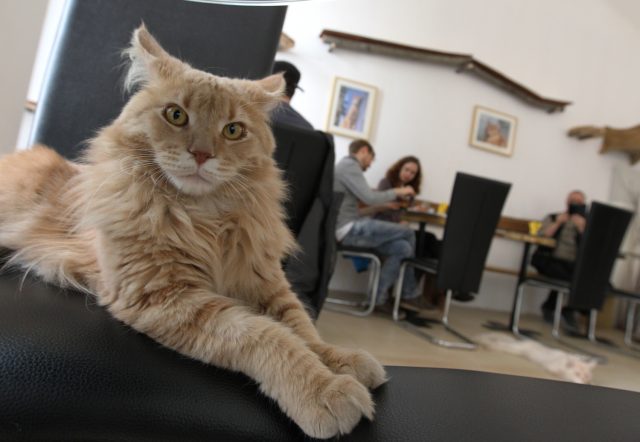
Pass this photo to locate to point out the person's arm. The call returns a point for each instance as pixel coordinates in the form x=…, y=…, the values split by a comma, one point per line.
x=372, y=210
x=364, y=210
x=353, y=179
x=579, y=221
x=550, y=225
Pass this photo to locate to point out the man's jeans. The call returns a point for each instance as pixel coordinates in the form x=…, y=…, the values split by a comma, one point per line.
x=394, y=242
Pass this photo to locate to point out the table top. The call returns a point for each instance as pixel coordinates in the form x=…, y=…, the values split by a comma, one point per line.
x=514, y=229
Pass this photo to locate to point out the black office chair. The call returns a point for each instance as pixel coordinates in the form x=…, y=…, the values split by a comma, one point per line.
x=474, y=212
x=599, y=246
x=306, y=158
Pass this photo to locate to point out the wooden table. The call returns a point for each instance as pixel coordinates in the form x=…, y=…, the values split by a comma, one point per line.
x=514, y=229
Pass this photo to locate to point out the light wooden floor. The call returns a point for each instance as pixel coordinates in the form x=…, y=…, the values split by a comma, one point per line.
x=394, y=345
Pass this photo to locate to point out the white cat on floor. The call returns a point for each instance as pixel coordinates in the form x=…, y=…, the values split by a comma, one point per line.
x=568, y=366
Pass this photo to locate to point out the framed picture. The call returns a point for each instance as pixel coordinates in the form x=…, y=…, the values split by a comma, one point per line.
x=351, y=108
x=493, y=131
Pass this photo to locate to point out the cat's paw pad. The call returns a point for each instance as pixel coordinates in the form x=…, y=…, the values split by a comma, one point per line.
x=336, y=409
x=358, y=363
x=363, y=366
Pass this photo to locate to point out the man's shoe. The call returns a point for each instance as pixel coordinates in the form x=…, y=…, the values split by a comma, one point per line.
x=387, y=310
x=463, y=296
x=418, y=305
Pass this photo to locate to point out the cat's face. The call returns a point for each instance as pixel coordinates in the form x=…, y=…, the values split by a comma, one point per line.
x=203, y=131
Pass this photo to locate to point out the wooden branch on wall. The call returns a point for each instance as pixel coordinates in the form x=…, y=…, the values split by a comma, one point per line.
x=461, y=62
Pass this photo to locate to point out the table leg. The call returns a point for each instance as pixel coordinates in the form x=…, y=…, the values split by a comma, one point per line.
x=420, y=240
x=522, y=274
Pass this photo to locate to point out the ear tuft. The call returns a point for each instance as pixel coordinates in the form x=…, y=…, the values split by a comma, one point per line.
x=273, y=89
x=142, y=53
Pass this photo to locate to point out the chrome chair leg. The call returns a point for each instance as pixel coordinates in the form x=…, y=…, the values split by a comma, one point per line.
x=555, y=333
x=629, y=325
x=467, y=343
x=593, y=318
x=397, y=291
x=351, y=307
x=557, y=316
x=516, y=312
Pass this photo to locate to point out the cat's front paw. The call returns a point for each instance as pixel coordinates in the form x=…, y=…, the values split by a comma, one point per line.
x=335, y=409
x=358, y=363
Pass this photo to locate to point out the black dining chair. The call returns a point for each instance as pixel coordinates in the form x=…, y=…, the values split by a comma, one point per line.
x=474, y=211
x=598, y=250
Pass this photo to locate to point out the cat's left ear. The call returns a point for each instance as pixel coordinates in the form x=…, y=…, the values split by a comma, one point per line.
x=272, y=89
x=149, y=60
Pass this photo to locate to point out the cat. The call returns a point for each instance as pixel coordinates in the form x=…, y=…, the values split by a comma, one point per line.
x=174, y=221
x=567, y=366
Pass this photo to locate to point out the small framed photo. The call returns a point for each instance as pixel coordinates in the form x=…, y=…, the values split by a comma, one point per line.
x=351, y=109
x=493, y=131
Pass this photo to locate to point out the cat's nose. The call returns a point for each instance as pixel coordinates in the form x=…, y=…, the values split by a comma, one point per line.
x=200, y=156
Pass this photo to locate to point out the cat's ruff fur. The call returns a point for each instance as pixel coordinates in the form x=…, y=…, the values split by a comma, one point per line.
x=567, y=366
x=187, y=253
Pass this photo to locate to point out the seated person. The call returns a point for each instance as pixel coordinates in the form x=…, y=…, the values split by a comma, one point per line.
x=567, y=228
x=407, y=171
x=393, y=241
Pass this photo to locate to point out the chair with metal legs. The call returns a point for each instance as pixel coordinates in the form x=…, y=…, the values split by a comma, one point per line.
x=474, y=212
x=598, y=250
x=365, y=306
x=633, y=299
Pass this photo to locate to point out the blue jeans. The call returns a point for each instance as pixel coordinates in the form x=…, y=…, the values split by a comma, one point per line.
x=394, y=242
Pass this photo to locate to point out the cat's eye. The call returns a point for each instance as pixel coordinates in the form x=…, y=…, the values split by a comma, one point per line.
x=175, y=115
x=234, y=131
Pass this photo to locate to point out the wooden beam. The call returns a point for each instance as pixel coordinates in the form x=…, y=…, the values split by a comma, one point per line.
x=461, y=62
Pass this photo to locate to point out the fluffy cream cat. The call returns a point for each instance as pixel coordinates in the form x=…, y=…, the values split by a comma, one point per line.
x=567, y=366
x=174, y=221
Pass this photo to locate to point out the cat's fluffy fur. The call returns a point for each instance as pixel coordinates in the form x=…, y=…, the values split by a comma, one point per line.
x=567, y=366
x=188, y=254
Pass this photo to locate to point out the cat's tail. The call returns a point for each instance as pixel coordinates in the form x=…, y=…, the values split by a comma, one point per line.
x=34, y=217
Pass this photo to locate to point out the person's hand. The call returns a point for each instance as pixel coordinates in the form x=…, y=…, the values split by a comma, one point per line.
x=420, y=207
x=405, y=191
x=393, y=205
x=579, y=221
x=562, y=218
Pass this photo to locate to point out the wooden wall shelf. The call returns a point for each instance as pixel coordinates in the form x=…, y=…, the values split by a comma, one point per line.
x=461, y=63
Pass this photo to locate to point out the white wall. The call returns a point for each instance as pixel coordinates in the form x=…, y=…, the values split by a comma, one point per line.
x=20, y=22
x=582, y=52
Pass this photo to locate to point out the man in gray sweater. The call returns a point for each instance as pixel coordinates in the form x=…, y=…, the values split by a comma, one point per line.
x=393, y=241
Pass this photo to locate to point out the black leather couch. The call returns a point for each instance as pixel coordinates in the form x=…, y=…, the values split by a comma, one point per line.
x=70, y=372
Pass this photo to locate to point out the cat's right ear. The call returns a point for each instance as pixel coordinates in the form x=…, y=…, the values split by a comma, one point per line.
x=148, y=60
x=271, y=90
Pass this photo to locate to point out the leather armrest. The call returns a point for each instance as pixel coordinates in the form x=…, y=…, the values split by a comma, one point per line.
x=69, y=371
